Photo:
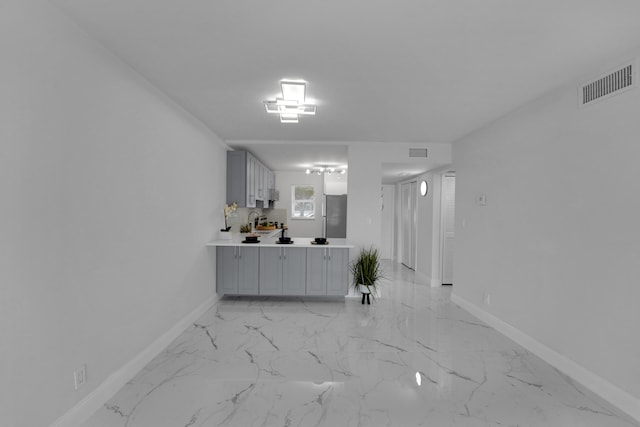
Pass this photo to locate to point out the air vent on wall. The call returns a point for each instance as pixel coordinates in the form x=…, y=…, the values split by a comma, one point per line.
x=417, y=152
x=608, y=85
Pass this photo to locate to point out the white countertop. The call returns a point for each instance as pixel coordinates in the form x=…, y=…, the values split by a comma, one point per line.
x=305, y=242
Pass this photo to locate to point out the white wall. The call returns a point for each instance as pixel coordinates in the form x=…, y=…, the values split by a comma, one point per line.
x=558, y=243
x=427, y=229
x=108, y=196
x=300, y=227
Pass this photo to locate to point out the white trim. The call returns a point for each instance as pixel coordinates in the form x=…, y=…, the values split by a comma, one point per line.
x=598, y=385
x=84, y=409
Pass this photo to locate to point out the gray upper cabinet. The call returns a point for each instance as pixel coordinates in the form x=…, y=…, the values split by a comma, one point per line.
x=237, y=270
x=248, y=180
x=239, y=176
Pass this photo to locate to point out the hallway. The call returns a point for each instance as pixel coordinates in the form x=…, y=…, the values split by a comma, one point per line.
x=411, y=358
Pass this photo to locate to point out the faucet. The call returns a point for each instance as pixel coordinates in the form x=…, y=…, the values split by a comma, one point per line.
x=256, y=220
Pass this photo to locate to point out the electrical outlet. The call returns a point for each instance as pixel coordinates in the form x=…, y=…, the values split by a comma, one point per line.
x=486, y=298
x=80, y=377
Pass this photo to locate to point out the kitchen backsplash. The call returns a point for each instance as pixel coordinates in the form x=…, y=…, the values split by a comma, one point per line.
x=241, y=215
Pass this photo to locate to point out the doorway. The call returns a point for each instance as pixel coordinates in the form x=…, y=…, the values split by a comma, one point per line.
x=447, y=226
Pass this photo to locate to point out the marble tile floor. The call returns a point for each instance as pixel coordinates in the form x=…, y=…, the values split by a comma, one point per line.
x=411, y=358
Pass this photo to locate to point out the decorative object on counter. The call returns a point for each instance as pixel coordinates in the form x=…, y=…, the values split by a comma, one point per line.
x=285, y=240
x=366, y=272
x=251, y=238
x=320, y=241
x=245, y=228
x=227, y=211
x=266, y=226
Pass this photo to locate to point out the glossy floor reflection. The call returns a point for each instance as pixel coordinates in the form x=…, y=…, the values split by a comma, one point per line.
x=411, y=358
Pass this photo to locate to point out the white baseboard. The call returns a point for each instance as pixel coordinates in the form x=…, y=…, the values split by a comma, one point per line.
x=109, y=387
x=598, y=385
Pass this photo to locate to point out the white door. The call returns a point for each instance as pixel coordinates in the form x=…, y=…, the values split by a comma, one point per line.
x=408, y=226
x=388, y=217
x=448, y=227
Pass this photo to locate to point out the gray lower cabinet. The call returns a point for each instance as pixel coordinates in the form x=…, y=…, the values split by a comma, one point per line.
x=237, y=269
x=327, y=271
x=294, y=262
x=282, y=271
x=243, y=270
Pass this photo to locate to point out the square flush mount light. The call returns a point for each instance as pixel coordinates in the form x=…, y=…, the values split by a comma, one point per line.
x=292, y=104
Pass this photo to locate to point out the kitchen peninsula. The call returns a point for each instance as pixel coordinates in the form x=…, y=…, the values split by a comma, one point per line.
x=271, y=268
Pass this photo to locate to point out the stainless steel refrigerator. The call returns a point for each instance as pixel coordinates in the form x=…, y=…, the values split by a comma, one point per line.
x=335, y=216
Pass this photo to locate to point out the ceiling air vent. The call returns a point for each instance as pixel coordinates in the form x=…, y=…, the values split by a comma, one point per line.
x=417, y=152
x=608, y=85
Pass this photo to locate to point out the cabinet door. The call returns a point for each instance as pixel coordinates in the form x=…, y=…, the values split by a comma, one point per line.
x=270, y=271
x=248, y=270
x=237, y=178
x=294, y=276
x=337, y=271
x=251, y=181
x=226, y=270
x=258, y=178
x=272, y=180
x=316, y=271
x=261, y=182
x=265, y=183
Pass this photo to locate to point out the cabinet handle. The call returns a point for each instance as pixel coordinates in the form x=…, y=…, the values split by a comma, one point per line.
x=280, y=255
x=284, y=251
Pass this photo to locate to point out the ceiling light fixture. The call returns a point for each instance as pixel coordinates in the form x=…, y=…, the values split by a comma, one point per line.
x=292, y=104
x=322, y=169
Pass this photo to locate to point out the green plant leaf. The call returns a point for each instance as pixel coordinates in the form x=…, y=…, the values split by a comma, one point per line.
x=366, y=270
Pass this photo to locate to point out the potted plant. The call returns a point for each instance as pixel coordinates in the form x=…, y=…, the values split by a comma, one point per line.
x=366, y=273
x=224, y=232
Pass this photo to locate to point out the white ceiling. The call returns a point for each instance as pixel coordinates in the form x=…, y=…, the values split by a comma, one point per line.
x=379, y=70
